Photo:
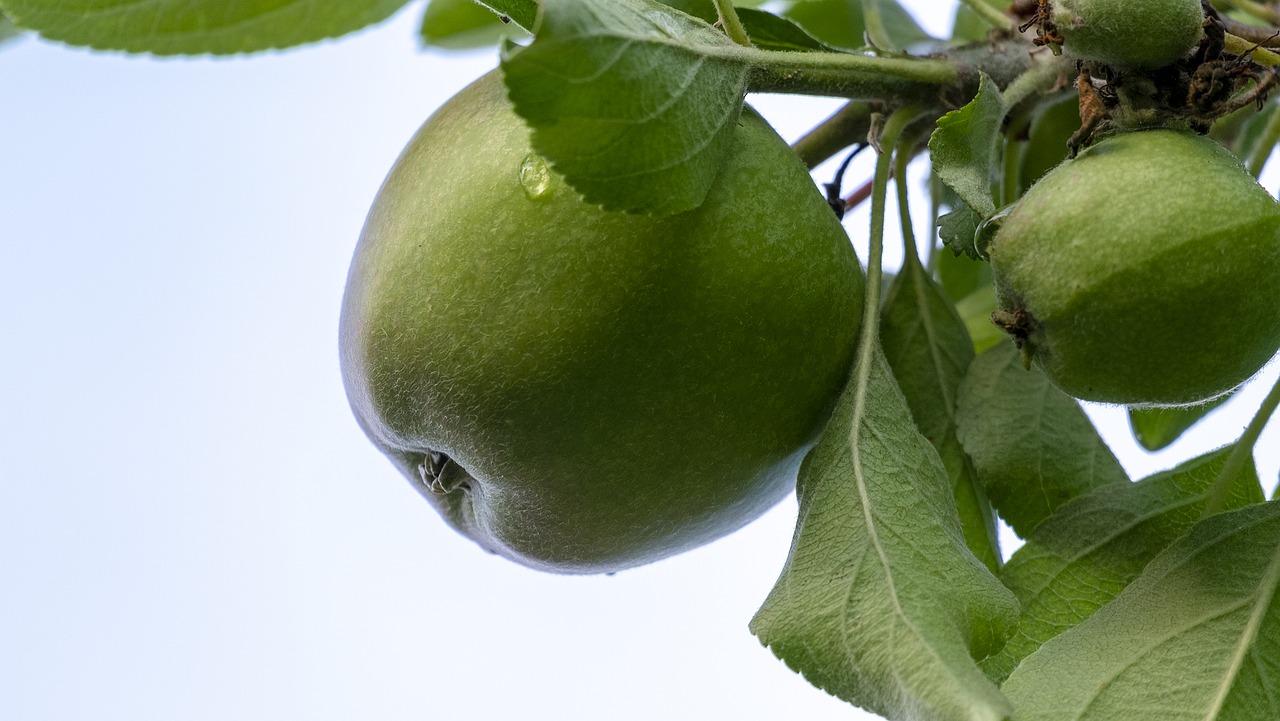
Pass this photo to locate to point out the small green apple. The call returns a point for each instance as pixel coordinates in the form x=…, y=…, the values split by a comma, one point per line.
x=583, y=391
x=1146, y=271
x=1129, y=34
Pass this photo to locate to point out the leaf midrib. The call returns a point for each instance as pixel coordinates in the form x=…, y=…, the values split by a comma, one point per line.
x=1266, y=592
x=1272, y=575
x=868, y=356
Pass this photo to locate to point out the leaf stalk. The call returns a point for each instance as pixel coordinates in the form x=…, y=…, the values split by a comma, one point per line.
x=731, y=23
x=1241, y=452
x=1262, y=56
x=850, y=75
x=893, y=128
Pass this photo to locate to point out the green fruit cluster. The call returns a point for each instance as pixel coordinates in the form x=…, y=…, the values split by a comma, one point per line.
x=1129, y=34
x=1146, y=271
x=580, y=390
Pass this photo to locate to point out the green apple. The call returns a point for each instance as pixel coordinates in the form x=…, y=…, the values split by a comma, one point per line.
x=584, y=391
x=1129, y=34
x=1146, y=271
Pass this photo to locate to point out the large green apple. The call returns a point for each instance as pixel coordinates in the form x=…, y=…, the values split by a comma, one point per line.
x=580, y=390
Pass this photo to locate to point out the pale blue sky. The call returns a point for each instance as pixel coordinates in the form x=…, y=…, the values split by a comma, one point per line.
x=191, y=524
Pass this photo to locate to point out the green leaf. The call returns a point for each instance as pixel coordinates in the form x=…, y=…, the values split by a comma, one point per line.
x=522, y=12
x=770, y=32
x=961, y=275
x=941, y=195
x=1047, y=137
x=1093, y=547
x=840, y=23
x=1156, y=428
x=701, y=9
x=957, y=230
x=1241, y=131
x=1033, y=446
x=881, y=603
x=170, y=27
x=964, y=147
x=975, y=310
x=706, y=9
x=634, y=103
x=1195, y=638
x=929, y=350
x=900, y=29
x=7, y=30
x=969, y=27
x=458, y=24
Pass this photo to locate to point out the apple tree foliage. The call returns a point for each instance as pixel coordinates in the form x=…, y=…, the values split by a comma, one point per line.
x=1131, y=599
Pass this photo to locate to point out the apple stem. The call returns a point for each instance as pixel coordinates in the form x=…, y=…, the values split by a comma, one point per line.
x=731, y=23
x=911, y=252
x=893, y=128
x=1241, y=453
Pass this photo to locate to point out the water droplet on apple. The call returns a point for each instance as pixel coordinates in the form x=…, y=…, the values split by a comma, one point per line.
x=535, y=177
x=987, y=230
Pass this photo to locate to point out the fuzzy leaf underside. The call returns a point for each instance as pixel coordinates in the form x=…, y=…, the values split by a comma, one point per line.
x=960, y=275
x=193, y=27
x=1084, y=555
x=929, y=350
x=963, y=147
x=881, y=603
x=1032, y=445
x=957, y=230
x=1196, y=637
x=634, y=103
